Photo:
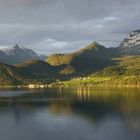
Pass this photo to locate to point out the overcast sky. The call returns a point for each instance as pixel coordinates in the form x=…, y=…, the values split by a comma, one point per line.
x=50, y=26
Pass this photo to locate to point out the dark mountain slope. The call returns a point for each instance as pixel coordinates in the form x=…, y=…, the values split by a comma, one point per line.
x=125, y=66
x=91, y=58
x=9, y=75
x=38, y=69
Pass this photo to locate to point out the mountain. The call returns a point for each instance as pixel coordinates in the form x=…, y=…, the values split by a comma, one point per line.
x=91, y=58
x=131, y=44
x=120, y=64
x=8, y=75
x=17, y=54
x=124, y=66
x=124, y=72
x=82, y=61
x=37, y=68
x=33, y=71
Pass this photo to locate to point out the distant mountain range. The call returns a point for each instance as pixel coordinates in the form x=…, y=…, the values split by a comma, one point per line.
x=95, y=57
x=33, y=71
x=18, y=54
x=29, y=67
x=94, y=51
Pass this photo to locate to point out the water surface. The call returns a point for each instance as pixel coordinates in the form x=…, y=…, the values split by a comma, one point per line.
x=70, y=114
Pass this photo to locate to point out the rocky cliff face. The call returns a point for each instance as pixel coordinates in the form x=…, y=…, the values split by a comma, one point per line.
x=131, y=44
x=132, y=39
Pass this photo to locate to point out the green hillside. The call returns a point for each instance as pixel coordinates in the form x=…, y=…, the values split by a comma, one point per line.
x=125, y=66
x=91, y=58
x=29, y=72
x=39, y=71
x=8, y=75
x=125, y=72
x=34, y=71
x=92, y=65
x=37, y=68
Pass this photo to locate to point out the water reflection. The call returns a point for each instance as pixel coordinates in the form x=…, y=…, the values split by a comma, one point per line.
x=80, y=113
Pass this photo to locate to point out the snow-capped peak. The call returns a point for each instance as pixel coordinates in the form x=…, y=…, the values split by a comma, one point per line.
x=18, y=54
x=19, y=50
x=133, y=39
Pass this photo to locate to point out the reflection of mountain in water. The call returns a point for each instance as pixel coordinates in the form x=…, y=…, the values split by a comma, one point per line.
x=93, y=104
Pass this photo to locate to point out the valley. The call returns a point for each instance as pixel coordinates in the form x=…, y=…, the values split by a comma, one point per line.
x=91, y=65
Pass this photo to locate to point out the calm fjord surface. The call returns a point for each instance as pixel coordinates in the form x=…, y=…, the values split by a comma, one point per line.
x=70, y=114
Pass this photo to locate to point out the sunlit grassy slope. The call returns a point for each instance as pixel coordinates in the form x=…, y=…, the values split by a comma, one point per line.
x=86, y=60
x=126, y=71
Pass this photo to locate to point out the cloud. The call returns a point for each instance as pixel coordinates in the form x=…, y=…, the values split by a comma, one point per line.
x=55, y=46
x=60, y=25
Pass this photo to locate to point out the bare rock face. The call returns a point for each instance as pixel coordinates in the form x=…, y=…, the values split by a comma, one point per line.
x=131, y=44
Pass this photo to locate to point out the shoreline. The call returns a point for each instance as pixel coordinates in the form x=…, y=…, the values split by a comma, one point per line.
x=63, y=86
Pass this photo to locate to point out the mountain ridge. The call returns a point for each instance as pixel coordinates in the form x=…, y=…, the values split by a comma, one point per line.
x=85, y=59
x=94, y=58
x=17, y=54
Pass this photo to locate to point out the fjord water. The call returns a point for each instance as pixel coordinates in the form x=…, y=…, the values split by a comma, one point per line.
x=70, y=114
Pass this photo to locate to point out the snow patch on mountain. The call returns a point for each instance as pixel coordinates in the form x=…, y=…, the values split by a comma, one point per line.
x=132, y=39
x=131, y=44
x=18, y=54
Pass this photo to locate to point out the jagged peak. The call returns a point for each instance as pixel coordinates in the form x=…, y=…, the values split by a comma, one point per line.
x=16, y=46
x=93, y=46
x=132, y=39
x=20, y=47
